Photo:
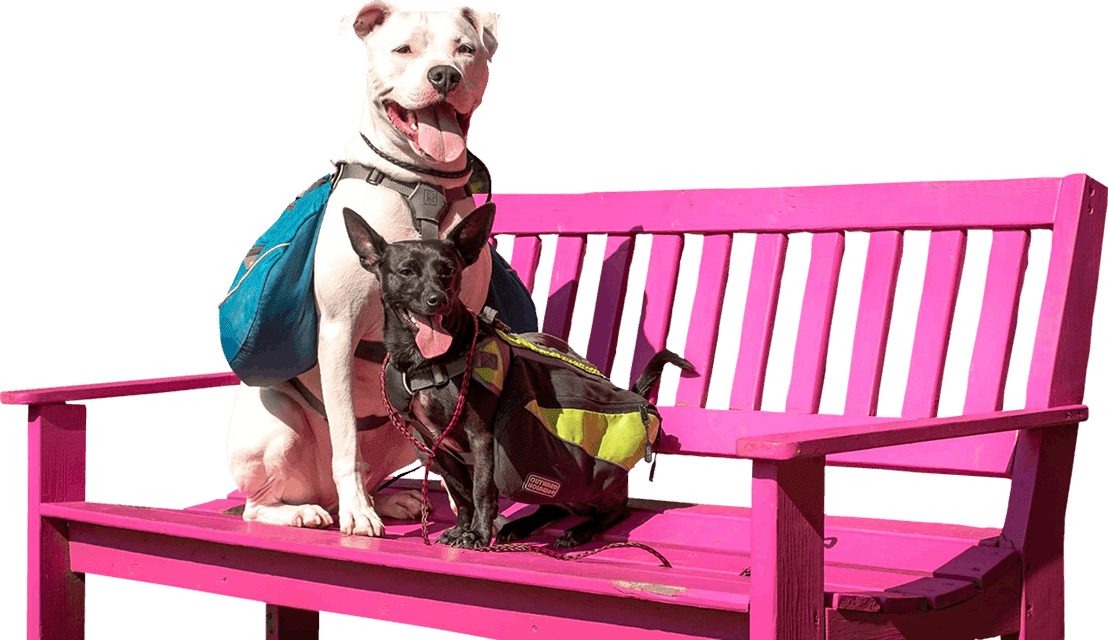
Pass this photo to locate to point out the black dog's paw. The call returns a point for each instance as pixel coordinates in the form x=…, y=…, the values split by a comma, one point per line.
x=451, y=536
x=463, y=538
x=572, y=538
x=473, y=540
x=508, y=533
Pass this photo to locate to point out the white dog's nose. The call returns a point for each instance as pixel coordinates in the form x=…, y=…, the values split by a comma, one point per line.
x=444, y=78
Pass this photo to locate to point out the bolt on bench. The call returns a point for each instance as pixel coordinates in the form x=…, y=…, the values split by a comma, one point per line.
x=780, y=569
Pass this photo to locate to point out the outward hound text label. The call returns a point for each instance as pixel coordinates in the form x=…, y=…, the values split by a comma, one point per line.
x=542, y=486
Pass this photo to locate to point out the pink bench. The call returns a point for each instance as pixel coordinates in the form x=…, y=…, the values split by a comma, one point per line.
x=780, y=569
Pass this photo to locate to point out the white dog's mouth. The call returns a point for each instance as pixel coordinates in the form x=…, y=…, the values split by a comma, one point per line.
x=437, y=130
x=431, y=338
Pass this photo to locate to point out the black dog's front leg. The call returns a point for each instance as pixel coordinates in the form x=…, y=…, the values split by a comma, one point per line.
x=486, y=503
x=481, y=504
x=460, y=486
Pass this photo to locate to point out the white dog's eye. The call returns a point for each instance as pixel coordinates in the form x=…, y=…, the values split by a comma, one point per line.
x=402, y=49
x=465, y=49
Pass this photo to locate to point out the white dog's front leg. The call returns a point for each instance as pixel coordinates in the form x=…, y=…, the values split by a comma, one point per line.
x=356, y=512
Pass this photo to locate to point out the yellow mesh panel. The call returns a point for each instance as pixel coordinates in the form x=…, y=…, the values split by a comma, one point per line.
x=617, y=438
x=493, y=377
x=520, y=342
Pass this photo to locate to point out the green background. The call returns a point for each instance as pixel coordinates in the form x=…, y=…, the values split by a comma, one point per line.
x=146, y=145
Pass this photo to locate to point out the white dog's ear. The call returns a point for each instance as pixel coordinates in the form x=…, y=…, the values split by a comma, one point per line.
x=486, y=24
x=367, y=19
x=367, y=243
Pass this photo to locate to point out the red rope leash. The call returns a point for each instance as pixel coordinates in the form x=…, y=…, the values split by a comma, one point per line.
x=425, y=500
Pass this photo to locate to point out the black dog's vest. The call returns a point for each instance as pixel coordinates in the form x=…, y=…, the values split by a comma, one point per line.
x=562, y=431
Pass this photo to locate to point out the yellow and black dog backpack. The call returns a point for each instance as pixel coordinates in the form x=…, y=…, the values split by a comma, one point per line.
x=562, y=431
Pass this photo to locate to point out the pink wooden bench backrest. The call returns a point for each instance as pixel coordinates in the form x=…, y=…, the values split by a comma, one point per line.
x=1009, y=208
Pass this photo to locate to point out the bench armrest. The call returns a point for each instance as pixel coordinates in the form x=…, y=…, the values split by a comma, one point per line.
x=55, y=395
x=824, y=442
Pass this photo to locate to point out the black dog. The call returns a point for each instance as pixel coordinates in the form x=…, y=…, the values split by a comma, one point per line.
x=431, y=339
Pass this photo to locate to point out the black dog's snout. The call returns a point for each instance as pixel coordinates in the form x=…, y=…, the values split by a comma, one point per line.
x=434, y=300
x=444, y=78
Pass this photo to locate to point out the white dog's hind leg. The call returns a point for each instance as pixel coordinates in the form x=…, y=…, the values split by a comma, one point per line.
x=265, y=505
x=390, y=451
x=273, y=462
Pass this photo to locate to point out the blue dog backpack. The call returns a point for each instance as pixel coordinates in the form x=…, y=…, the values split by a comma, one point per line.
x=268, y=320
x=268, y=323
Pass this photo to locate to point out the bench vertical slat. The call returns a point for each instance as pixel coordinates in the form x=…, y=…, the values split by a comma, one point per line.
x=871, y=332
x=704, y=323
x=946, y=253
x=996, y=329
x=290, y=623
x=1043, y=460
x=657, y=305
x=814, y=329
x=55, y=473
x=612, y=292
x=786, y=549
x=525, y=259
x=758, y=317
x=568, y=257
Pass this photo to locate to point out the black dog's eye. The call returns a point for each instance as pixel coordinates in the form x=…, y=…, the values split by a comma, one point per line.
x=405, y=272
x=447, y=270
x=402, y=49
x=465, y=49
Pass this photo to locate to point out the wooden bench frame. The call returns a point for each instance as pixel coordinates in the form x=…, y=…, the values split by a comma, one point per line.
x=1009, y=583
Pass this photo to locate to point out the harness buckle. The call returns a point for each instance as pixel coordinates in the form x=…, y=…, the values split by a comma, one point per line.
x=427, y=202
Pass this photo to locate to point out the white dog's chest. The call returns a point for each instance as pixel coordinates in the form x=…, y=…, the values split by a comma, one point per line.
x=348, y=297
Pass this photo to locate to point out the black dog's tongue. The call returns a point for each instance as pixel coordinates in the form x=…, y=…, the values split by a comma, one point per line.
x=431, y=338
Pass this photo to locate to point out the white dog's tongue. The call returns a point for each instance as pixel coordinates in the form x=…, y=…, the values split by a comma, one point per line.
x=431, y=338
x=438, y=132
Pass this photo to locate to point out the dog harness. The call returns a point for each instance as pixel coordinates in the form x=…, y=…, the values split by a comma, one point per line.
x=562, y=431
x=426, y=202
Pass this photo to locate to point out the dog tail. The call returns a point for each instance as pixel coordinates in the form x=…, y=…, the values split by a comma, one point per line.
x=653, y=370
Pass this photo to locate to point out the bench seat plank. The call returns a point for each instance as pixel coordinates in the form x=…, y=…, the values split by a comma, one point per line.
x=708, y=545
x=473, y=605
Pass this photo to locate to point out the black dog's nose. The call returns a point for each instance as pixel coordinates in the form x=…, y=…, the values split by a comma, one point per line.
x=433, y=300
x=444, y=78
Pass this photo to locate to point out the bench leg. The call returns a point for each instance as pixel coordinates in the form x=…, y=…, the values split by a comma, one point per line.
x=55, y=473
x=1035, y=525
x=288, y=623
x=786, y=569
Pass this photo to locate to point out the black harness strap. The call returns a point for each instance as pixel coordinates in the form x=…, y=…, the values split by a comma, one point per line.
x=426, y=202
x=368, y=351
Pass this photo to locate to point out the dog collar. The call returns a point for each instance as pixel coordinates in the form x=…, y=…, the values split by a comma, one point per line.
x=415, y=168
x=426, y=202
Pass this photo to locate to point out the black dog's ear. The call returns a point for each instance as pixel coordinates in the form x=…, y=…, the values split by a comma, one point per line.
x=366, y=242
x=471, y=235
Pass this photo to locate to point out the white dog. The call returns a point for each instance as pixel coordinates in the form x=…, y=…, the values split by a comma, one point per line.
x=427, y=73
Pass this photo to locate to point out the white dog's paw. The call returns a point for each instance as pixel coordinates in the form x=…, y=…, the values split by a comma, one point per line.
x=402, y=505
x=311, y=515
x=289, y=515
x=358, y=517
